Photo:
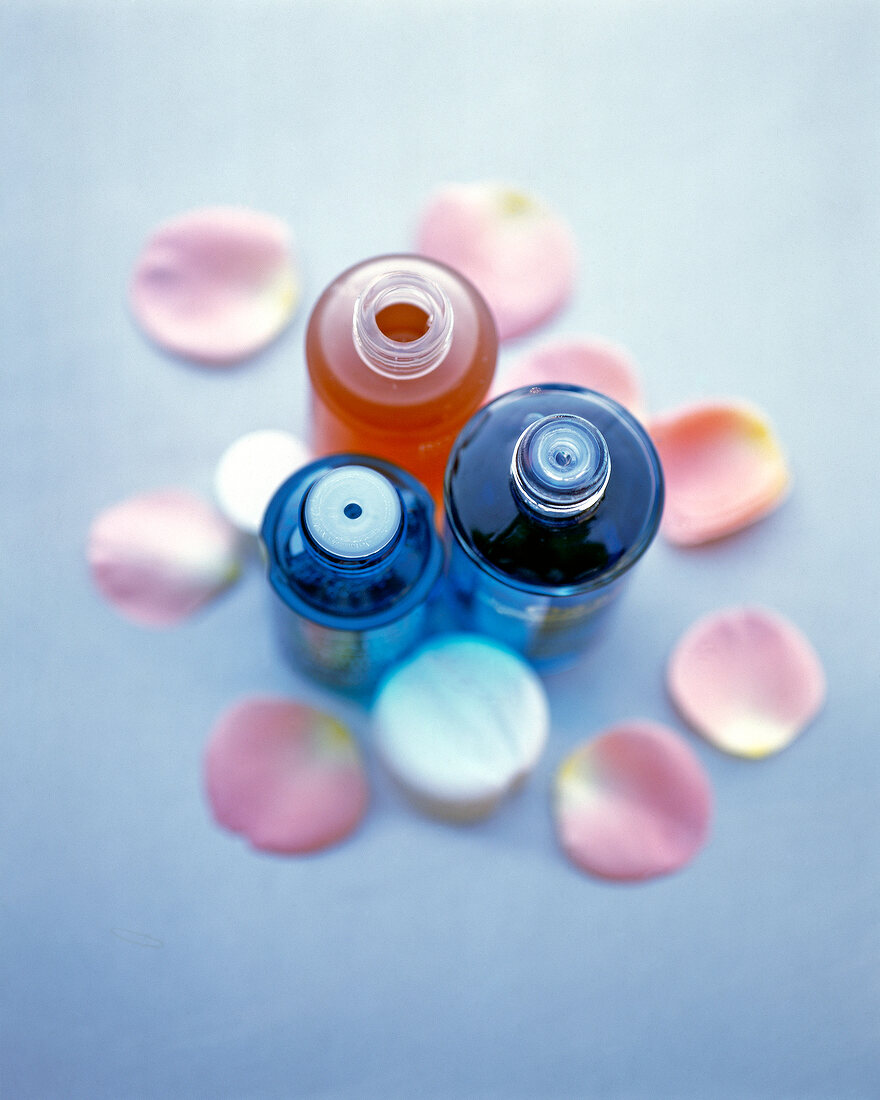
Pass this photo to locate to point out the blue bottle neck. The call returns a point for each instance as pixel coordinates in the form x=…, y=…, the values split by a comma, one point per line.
x=352, y=518
x=340, y=568
x=560, y=468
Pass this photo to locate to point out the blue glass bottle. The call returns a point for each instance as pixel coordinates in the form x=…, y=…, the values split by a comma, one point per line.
x=353, y=562
x=553, y=493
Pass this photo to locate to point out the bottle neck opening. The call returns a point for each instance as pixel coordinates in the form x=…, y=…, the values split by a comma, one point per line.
x=352, y=516
x=560, y=467
x=402, y=325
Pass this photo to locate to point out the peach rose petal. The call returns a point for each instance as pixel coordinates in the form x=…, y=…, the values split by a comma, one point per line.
x=632, y=803
x=519, y=254
x=158, y=557
x=284, y=775
x=593, y=364
x=216, y=285
x=723, y=467
x=747, y=680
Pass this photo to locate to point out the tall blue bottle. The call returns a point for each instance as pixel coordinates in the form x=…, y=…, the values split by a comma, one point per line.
x=353, y=562
x=553, y=493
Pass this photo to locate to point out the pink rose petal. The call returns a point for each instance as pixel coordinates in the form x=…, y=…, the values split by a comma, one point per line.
x=632, y=803
x=747, y=680
x=216, y=285
x=158, y=557
x=593, y=364
x=285, y=775
x=723, y=468
x=519, y=254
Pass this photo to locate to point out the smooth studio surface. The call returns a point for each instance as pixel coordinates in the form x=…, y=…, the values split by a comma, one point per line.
x=718, y=164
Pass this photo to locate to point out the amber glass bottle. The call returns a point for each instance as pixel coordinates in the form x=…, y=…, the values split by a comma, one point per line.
x=401, y=351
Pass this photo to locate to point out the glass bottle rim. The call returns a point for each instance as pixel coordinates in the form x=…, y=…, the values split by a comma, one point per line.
x=352, y=516
x=397, y=358
x=625, y=563
x=283, y=517
x=560, y=467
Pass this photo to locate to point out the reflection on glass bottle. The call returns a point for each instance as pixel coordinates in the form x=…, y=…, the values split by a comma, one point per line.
x=353, y=562
x=552, y=494
x=401, y=350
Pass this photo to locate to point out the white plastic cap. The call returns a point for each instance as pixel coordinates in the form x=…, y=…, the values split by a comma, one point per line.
x=352, y=512
x=249, y=472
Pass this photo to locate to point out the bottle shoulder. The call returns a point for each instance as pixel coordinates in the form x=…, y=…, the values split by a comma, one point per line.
x=350, y=595
x=522, y=549
x=452, y=389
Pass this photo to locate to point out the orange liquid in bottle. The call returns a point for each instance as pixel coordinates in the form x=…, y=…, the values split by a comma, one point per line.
x=401, y=351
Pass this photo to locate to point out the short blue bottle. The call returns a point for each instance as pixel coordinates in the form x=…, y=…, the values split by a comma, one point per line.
x=553, y=493
x=354, y=563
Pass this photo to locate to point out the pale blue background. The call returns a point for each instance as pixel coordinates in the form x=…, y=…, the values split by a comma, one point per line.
x=719, y=165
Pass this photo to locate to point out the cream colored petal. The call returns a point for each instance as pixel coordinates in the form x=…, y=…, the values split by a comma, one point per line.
x=249, y=472
x=460, y=724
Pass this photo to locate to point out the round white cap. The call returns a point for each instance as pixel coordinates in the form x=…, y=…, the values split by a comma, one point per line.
x=352, y=512
x=249, y=472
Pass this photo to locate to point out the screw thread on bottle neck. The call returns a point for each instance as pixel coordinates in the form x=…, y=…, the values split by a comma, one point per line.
x=402, y=325
x=560, y=467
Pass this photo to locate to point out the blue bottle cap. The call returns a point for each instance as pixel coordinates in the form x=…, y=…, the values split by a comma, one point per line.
x=561, y=466
x=352, y=513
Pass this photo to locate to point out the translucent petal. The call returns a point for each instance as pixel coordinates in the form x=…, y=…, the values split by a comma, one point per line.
x=519, y=254
x=461, y=724
x=249, y=472
x=593, y=364
x=216, y=285
x=723, y=468
x=632, y=803
x=747, y=680
x=286, y=776
x=160, y=556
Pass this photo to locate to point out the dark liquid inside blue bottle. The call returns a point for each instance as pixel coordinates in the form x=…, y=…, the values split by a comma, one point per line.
x=353, y=562
x=552, y=494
